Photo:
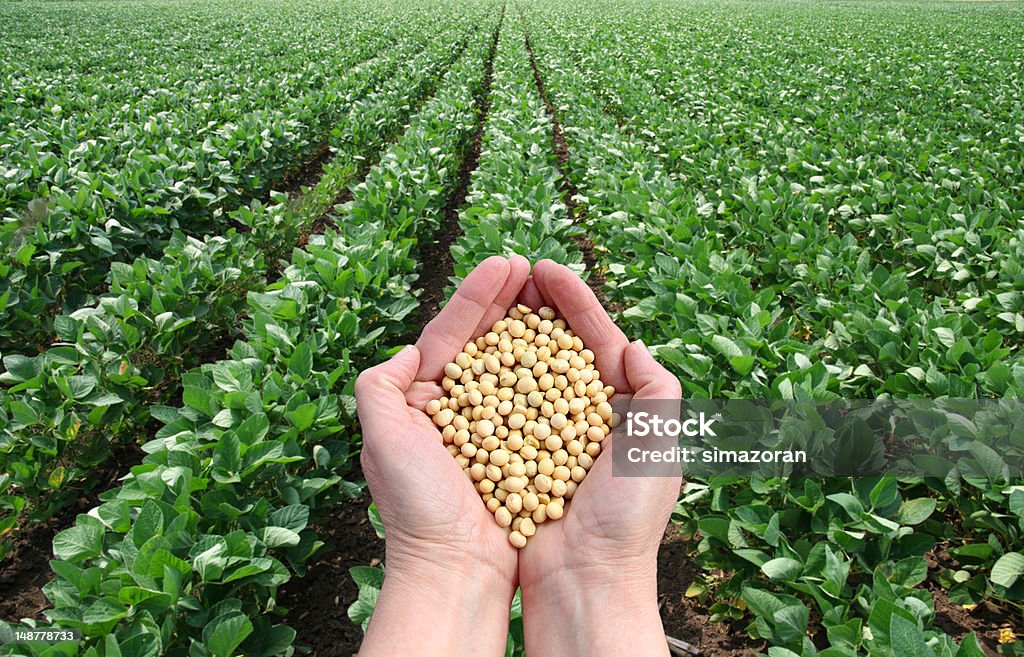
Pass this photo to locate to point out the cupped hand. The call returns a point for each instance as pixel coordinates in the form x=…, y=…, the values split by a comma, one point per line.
x=599, y=561
x=444, y=550
x=432, y=514
x=610, y=520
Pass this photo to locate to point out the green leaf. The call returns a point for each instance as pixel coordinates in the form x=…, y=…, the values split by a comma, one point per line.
x=255, y=567
x=293, y=517
x=303, y=416
x=945, y=336
x=880, y=618
x=78, y=543
x=742, y=364
x=104, y=613
x=782, y=568
x=225, y=633
x=81, y=386
x=914, y=512
x=765, y=603
x=850, y=504
x=726, y=347
x=200, y=400
x=370, y=581
x=367, y=576
x=973, y=553
x=375, y=521
x=301, y=362
x=906, y=638
x=253, y=429
x=270, y=641
x=23, y=368
x=228, y=453
x=791, y=622
x=149, y=523
x=210, y=563
x=1008, y=569
x=278, y=537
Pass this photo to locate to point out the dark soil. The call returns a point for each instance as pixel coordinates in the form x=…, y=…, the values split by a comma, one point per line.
x=26, y=569
x=329, y=218
x=436, y=257
x=687, y=619
x=319, y=602
x=985, y=620
x=308, y=174
x=578, y=214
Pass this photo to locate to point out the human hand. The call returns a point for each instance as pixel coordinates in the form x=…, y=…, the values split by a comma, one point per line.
x=447, y=560
x=599, y=562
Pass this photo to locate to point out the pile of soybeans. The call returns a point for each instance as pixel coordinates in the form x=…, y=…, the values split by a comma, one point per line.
x=524, y=414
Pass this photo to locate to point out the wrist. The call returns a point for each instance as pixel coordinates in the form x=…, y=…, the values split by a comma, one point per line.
x=421, y=598
x=455, y=559
x=602, y=611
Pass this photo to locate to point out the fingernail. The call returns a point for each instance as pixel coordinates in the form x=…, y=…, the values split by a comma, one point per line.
x=641, y=343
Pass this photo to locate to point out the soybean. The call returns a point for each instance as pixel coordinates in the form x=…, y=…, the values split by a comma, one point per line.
x=524, y=414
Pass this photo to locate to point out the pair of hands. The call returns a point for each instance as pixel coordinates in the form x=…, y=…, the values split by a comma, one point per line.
x=588, y=580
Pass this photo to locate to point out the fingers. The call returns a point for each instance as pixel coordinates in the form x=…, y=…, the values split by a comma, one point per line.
x=380, y=392
x=421, y=392
x=531, y=296
x=646, y=377
x=478, y=298
x=519, y=273
x=576, y=302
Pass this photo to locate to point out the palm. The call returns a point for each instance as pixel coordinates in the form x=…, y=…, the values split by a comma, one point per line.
x=609, y=518
x=427, y=504
x=441, y=509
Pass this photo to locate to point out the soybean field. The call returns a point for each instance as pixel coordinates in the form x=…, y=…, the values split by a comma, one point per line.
x=216, y=214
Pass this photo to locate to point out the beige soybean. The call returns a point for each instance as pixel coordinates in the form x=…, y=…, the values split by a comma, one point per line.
x=524, y=413
x=517, y=539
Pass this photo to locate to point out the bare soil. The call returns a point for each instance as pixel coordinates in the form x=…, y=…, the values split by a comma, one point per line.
x=318, y=603
x=984, y=619
x=26, y=570
x=308, y=174
x=686, y=618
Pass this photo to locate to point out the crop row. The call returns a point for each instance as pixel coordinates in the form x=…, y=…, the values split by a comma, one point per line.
x=116, y=360
x=850, y=553
x=186, y=557
x=764, y=233
x=93, y=178
x=514, y=204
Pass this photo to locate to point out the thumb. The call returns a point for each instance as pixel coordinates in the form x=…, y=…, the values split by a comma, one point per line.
x=646, y=376
x=380, y=391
